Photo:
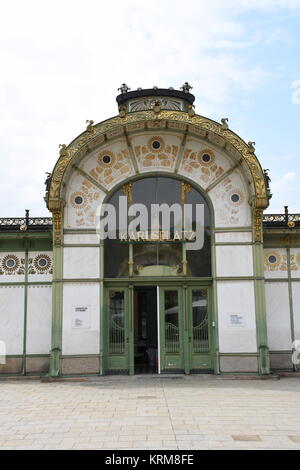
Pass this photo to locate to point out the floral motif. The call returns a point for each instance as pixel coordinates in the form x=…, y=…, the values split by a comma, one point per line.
x=42, y=263
x=156, y=153
x=201, y=165
x=274, y=261
x=78, y=200
x=10, y=264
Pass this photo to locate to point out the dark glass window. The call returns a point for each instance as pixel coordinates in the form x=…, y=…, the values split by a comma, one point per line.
x=156, y=144
x=167, y=251
x=42, y=262
x=10, y=263
x=78, y=200
x=206, y=157
x=106, y=159
x=235, y=198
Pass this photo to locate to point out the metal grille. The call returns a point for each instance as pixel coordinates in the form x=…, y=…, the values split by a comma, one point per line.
x=116, y=337
x=200, y=321
x=281, y=220
x=31, y=223
x=172, y=338
x=117, y=323
x=200, y=337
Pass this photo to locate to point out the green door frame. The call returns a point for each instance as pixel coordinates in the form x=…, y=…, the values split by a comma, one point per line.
x=201, y=360
x=184, y=288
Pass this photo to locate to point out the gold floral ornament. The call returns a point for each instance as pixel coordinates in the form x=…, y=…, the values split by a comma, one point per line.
x=106, y=159
x=297, y=258
x=272, y=260
x=42, y=263
x=10, y=264
x=236, y=197
x=156, y=144
x=78, y=200
x=206, y=157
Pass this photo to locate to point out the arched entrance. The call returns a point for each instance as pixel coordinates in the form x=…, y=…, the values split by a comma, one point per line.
x=157, y=288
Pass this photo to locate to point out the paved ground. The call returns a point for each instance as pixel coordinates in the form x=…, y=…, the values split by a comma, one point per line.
x=143, y=412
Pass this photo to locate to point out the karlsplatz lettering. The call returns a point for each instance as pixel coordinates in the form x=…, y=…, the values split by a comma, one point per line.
x=116, y=460
x=134, y=222
x=157, y=236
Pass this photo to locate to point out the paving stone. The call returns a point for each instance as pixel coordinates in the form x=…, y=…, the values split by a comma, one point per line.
x=145, y=413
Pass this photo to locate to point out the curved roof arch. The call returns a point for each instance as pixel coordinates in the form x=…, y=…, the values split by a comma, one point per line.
x=184, y=122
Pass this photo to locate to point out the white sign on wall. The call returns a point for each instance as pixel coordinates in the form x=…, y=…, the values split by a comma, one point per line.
x=81, y=317
x=236, y=319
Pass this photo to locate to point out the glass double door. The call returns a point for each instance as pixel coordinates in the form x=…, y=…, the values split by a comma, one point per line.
x=158, y=329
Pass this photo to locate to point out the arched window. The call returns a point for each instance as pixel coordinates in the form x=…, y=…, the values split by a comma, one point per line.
x=125, y=256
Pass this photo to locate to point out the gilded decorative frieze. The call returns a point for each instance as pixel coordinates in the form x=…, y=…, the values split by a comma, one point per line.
x=14, y=265
x=257, y=225
x=70, y=154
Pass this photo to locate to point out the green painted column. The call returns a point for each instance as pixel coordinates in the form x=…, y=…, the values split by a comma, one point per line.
x=130, y=342
x=103, y=336
x=214, y=311
x=57, y=298
x=260, y=310
x=186, y=331
x=26, y=245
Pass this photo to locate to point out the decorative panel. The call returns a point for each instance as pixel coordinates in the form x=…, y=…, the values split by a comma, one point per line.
x=109, y=164
x=201, y=163
x=40, y=266
x=275, y=262
x=295, y=262
x=230, y=201
x=83, y=202
x=156, y=151
x=12, y=267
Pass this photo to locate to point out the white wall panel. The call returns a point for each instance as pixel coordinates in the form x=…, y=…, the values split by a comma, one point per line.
x=296, y=308
x=39, y=320
x=81, y=239
x=278, y=316
x=12, y=318
x=81, y=263
x=236, y=301
x=234, y=260
x=233, y=237
x=81, y=339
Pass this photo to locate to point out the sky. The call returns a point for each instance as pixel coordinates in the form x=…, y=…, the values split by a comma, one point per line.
x=62, y=62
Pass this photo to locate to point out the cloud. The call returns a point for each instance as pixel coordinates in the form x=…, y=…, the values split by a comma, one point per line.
x=62, y=62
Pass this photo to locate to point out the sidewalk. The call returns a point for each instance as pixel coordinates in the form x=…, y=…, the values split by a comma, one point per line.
x=150, y=412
